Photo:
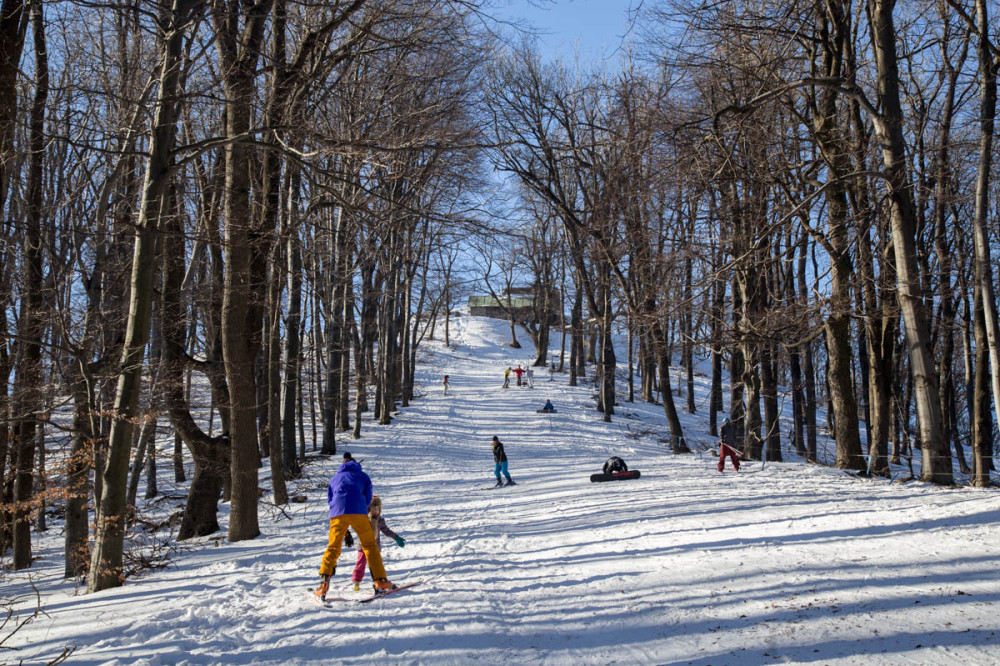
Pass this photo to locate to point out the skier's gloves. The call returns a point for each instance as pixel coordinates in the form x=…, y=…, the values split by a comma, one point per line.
x=400, y=542
x=348, y=539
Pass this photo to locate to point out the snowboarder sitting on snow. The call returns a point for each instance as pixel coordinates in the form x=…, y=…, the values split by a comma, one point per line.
x=615, y=464
x=349, y=496
x=727, y=445
x=500, y=460
x=548, y=407
x=378, y=527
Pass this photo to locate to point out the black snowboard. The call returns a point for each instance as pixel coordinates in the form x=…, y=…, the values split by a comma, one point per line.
x=543, y=411
x=615, y=476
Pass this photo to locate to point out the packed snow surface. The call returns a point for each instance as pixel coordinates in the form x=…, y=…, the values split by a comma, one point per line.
x=792, y=563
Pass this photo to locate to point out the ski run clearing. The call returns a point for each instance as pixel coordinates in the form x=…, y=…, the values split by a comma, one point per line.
x=793, y=563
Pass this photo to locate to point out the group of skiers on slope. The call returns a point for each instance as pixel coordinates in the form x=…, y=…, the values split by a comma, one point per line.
x=528, y=374
x=354, y=506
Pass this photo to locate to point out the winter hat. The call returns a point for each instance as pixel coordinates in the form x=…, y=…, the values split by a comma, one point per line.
x=347, y=456
x=495, y=438
x=725, y=420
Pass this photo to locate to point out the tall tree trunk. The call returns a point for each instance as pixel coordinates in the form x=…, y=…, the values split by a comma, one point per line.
x=106, y=558
x=31, y=325
x=982, y=423
x=988, y=67
x=209, y=454
x=13, y=27
x=85, y=430
x=293, y=343
x=943, y=194
x=829, y=135
x=239, y=48
x=276, y=453
x=658, y=343
x=935, y=452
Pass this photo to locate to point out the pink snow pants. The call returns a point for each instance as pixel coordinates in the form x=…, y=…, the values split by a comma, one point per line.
x=724, y=450
x=359, y=567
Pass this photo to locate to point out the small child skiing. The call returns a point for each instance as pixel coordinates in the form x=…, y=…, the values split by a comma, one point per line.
x=500, y=463
x=379, y=528
x=519, y=371
x=444, y=384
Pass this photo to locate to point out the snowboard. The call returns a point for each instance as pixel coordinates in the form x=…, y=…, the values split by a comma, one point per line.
x=542, y=411
x=615, y=476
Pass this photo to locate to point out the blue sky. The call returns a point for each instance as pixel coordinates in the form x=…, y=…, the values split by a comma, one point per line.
x=593, y=27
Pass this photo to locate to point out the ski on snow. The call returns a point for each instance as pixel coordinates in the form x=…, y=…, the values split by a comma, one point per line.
x=329, y=601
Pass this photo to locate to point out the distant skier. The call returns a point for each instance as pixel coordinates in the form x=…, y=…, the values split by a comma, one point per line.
x=500, y=463
x=727, y=445
x=506, y=377
x=444, y=385
x=379, y=527
x=530, y=376
x=519, y=371
x=349, y=496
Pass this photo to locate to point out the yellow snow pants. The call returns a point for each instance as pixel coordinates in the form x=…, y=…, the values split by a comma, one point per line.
x=366, y=537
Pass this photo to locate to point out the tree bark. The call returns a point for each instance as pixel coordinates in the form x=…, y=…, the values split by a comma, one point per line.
x=988, y=67
x=239, y=49
x=106, y=559
x=935, y=452
x=31, y=326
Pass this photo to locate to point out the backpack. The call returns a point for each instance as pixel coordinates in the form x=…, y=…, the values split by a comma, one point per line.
x=615, y=464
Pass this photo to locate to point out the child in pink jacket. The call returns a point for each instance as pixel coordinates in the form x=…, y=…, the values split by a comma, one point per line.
x=378, y=527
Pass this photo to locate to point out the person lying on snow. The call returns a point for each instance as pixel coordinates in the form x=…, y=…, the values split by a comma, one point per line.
x=615, y=464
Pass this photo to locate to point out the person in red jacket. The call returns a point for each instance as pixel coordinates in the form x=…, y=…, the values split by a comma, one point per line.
x=519, y=371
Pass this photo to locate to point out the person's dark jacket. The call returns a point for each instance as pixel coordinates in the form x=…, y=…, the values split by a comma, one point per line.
x=728, y=434
x=498, y=452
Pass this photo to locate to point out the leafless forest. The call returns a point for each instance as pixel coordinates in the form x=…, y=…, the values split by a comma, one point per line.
x=280, y=201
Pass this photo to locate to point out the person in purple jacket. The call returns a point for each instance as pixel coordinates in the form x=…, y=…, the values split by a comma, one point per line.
x=349, y=494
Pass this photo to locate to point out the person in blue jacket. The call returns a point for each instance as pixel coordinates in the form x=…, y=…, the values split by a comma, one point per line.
x=349, y=495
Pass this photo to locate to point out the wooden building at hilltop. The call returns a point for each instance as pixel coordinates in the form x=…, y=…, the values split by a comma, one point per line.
x=519, y=301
